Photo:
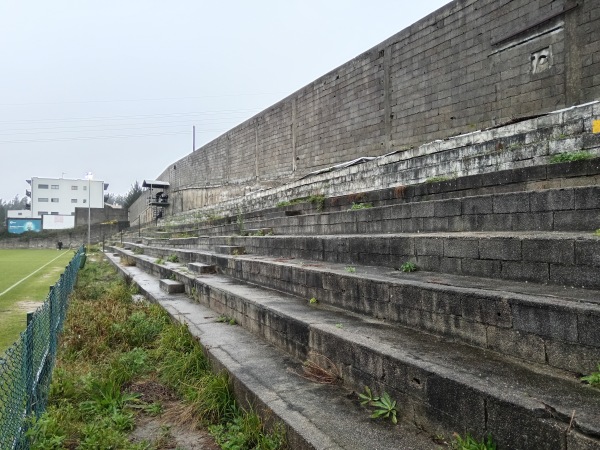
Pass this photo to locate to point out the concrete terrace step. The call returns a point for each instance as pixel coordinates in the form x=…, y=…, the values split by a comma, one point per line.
x=441, y=385
x=171, y=286
x=536, y=179
x=267, y=378
x=561, y=258
x=202, y=268
x=543, y=324
x=566, y=209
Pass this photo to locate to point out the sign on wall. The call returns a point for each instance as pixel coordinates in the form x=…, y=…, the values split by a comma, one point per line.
x=58, y=221
x=18, y=226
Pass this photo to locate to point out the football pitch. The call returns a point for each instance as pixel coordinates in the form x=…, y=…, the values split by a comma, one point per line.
x=25, y=279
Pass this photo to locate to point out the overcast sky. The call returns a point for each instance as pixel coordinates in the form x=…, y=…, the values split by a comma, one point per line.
x=113, y=87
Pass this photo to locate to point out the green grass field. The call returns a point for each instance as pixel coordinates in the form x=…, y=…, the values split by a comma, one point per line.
x=26, y=276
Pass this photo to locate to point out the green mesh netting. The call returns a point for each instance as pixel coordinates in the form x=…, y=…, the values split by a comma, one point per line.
x=26, y=367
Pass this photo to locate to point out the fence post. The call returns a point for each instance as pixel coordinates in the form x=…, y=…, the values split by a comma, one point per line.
x=51, y=311
x=29, y=342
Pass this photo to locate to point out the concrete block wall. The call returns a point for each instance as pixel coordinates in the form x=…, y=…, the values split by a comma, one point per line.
x=526, y=146
x=471, y=64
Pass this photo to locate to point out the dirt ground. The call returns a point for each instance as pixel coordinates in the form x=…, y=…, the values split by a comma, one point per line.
x=173, y=427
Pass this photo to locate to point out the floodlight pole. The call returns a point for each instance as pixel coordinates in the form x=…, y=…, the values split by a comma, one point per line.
x=89, y=210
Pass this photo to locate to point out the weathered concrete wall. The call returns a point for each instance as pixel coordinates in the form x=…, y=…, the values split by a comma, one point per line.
x=529, y=144
x=72, y=238
x=471, y=64
x=100, y=215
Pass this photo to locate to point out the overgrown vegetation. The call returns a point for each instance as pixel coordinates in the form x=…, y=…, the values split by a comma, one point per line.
x=570, y=156
x=110, y=347
x=173, y=258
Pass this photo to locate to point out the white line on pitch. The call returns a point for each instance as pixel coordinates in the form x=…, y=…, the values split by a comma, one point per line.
x=31, y=274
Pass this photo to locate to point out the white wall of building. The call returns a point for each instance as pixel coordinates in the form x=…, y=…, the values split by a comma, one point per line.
x=18, y=213
x=61, y=196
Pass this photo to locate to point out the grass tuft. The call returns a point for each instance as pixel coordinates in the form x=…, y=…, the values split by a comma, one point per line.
x=570, y=156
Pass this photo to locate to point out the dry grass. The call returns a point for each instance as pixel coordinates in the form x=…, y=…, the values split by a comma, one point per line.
x=320, y=369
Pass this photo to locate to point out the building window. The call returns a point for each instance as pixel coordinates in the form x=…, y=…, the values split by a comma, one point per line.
x=73, y=200
x=54, y=186
x=42, y=200
x=84, y=200
x=43, y=213
x=54, y=213
x=74, y=188
x=42, y=186
x=54, y=200
x=85, y=188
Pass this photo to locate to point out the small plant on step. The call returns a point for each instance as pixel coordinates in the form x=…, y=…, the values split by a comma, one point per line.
x=470, y=443
x=408, y=267
x=597, y=232
x=357, y=206
x=173, y=258
x=159, y=261
x=367, y=397
x=384, y=406
x=350, y=269
x=318, y=200
x=240, y=222
x=226, y=319
x=593, y=378
x=313, y=301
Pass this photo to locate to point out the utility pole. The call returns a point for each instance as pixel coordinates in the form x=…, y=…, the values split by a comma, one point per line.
x=89, y=178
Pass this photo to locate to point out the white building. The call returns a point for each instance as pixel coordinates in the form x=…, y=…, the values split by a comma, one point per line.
x=18, y=214
x=61, y=196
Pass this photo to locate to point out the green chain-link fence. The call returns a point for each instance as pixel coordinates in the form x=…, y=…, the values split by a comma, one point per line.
x=26, y=367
